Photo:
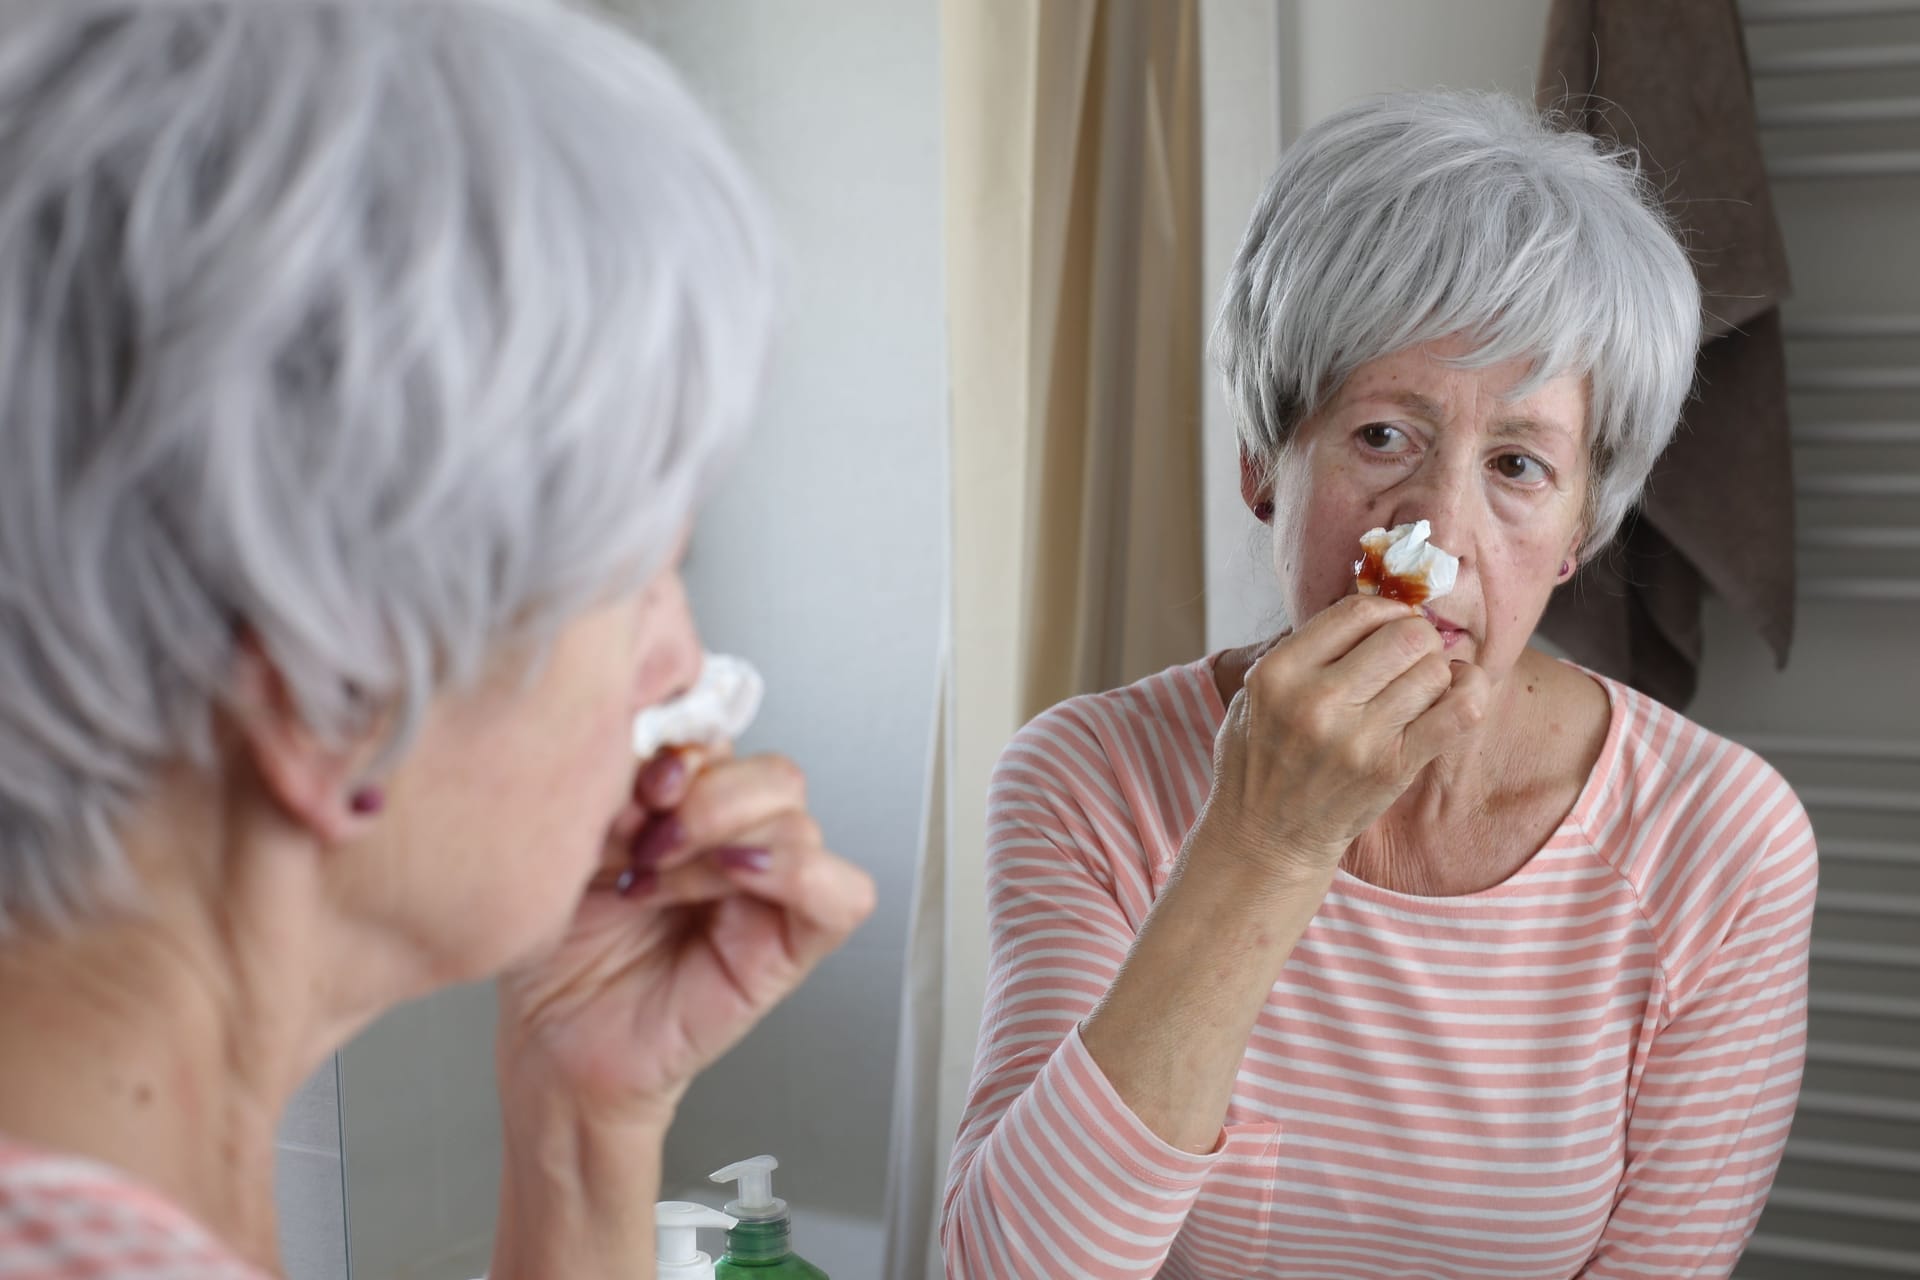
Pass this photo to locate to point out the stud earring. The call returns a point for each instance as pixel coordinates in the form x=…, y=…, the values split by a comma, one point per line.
x=1566, y=567
x=1263, y=512
x=367, y=800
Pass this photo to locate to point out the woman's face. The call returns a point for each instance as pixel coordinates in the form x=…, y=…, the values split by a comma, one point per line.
x=1412, y=438
x=498, y=817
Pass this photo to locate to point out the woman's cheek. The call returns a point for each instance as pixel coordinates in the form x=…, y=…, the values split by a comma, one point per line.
x=1323, y=577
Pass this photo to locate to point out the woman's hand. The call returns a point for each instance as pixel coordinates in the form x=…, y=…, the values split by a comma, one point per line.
x=715, y=900
x=1330, y=728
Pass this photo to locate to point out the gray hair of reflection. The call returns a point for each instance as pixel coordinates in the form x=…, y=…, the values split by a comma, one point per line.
x=1417, y=216
x=390, y=333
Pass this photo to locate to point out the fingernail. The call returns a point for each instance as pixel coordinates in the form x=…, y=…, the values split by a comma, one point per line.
x=635, y=883
x=655, y=841
x=739, y=858
x=666, y=774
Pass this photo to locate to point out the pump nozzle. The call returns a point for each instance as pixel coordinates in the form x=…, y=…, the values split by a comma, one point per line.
x=675, y=1251
x=757, y=1202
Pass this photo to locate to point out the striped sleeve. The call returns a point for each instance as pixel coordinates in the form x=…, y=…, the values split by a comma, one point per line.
x=1710, y=1111
x=1052, y=1173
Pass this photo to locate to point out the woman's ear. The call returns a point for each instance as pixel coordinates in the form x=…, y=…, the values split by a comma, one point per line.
x=1570, y=562
x=316, y=784
x=1256, y=487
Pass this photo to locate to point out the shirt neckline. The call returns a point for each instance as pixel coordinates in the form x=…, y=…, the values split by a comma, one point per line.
x=25, y=1164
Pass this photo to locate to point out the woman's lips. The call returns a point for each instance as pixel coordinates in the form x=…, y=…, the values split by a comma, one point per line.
x=1451, y=632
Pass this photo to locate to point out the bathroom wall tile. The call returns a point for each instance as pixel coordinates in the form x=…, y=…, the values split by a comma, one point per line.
x=312, y=1120
x=313, y=1224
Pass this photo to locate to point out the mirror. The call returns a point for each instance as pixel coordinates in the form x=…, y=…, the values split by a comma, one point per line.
x=822, y=560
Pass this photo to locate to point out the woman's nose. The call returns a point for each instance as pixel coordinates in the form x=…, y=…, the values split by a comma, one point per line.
x=688, y=657
x=674, y=663
x=1443, y=497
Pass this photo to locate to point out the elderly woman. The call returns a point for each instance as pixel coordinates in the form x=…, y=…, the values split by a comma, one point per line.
x=1393, y=947
x=360, y=367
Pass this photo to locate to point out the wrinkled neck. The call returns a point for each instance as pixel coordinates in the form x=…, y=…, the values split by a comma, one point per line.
x=165, y=1038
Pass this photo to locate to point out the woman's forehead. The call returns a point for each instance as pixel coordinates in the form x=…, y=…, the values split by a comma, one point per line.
x=1431, y=387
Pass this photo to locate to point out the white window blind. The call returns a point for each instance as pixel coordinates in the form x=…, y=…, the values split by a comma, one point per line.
x=1838, y=86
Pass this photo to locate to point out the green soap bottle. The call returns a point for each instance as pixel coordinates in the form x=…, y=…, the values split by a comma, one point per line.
x=759, y=1245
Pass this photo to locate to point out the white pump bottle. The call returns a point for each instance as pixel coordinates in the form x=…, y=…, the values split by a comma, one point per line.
x=676, y=1253
x=756, y=1201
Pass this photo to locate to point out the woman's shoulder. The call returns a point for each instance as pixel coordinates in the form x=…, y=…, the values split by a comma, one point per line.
x=1663, y=760
x=63, y=1218
x=1147, y=726
x=1691, y=817
x=1118, y=775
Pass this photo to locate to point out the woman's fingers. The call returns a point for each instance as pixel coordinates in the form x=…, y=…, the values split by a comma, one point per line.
x=1337, y=630
x=781, y=862
x=660, y=784
x=1326, y=680
x=713, y=870
x=722, y=801
x=1408, y=696
x=773, y=932
x=821, y=899
x=1345, y=655
x=1383, y=659
x=663, y=781
x=1458, y=711
x=824, y=896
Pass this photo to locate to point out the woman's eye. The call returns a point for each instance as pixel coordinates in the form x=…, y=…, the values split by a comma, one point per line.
x=1520, y=467
x=1382, y=438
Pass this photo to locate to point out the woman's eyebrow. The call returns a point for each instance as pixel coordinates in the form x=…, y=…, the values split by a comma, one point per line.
x=1525, y=427
x=1412, y=401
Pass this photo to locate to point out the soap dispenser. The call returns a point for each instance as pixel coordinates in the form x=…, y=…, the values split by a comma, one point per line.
x=676, y=1253
x=760, y=1246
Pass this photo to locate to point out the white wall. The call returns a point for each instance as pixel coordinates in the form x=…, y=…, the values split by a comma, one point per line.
x=824, y=557
x=1240, y=134
x=1340, y=51
x=1330, y=53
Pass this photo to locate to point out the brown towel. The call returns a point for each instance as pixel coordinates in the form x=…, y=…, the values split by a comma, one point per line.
x=1672, y=81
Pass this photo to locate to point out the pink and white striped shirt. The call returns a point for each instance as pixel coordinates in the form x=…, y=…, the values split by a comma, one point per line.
x=1587, y=1070
x=63, y=1218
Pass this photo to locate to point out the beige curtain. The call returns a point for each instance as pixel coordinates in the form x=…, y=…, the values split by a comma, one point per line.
x=1076, y=327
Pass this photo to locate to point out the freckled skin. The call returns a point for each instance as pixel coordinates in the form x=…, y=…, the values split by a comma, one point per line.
x=1503, y=482
x=1508, y=502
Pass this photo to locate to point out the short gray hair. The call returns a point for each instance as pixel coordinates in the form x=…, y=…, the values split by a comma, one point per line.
x=393, y=334
x=1418, y=216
